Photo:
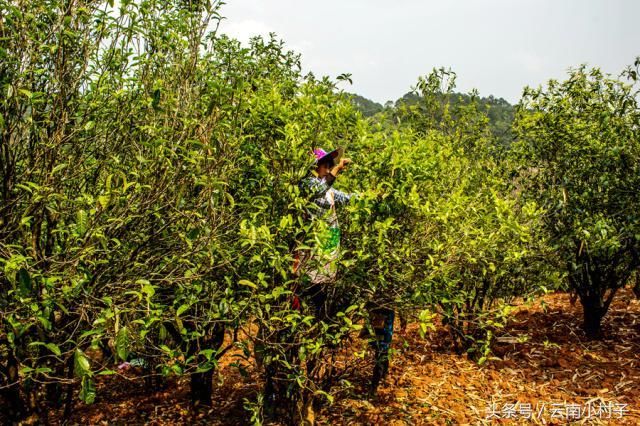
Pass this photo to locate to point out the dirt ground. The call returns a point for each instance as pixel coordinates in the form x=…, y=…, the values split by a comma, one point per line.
x=545, y=372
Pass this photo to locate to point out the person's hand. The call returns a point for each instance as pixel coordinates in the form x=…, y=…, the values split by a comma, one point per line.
x=340, y=166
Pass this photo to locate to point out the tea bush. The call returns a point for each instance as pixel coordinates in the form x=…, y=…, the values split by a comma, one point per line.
x=151, y=211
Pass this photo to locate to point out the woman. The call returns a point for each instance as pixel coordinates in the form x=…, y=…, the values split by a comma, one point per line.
x=319, y=188
x=319, y=267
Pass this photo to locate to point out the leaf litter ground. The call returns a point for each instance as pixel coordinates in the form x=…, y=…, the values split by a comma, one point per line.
x=544, y=372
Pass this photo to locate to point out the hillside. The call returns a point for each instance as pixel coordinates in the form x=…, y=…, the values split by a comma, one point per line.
x=499, y=111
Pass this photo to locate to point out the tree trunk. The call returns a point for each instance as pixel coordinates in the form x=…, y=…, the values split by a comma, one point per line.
x=593, y=309
x=201, y=388
x=15, y=409
x=202, y=383
x=68, y=401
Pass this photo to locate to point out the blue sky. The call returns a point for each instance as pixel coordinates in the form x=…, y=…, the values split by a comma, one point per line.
x=496, y=46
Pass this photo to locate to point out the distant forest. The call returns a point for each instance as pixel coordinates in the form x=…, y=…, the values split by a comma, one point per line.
x=499, y=112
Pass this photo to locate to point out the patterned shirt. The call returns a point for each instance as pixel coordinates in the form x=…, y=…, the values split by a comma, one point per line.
x=321, y=192
x=325, y=200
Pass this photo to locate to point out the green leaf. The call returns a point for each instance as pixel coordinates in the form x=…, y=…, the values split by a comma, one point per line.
x=87, y=390
x=247, y=283
x=45, y=322
x=230, y=199
x=325, y=394
x=25, y=370
x=90, y=333
x=51, y=346
x=182, y=309
x=104, y=200
x=25, y=284
x=147, y=288
x=26, y=93
x=54, y=348
x=207, y=366
x=81, y=365
x=122, y=343
x=58, y=168
x=81, y=222
x=351, y=308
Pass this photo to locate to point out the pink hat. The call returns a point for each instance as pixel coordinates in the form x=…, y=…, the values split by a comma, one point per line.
x=321, y=154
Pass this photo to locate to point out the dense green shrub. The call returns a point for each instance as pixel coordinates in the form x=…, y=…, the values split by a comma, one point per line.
x=149, y=198
x=438, y=230
x=578, y=151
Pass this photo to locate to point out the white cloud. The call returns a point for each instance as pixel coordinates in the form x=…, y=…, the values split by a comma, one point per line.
x=244, y=29
x=496, y=46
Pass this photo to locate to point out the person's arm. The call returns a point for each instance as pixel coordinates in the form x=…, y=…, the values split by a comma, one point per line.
x=340, y=166
x=315, y=188
x=342, y=198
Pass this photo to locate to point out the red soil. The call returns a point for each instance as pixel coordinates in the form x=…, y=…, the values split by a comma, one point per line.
x=544, y=360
